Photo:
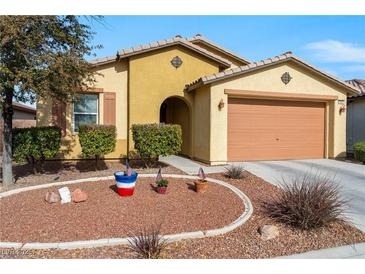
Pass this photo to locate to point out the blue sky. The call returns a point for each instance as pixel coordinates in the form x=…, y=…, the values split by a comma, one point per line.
x=335, y=44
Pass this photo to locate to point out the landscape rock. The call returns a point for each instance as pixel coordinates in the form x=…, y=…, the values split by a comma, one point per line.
x=268, y=232
x=78, y=196
x=65, y=195
x=52, y=197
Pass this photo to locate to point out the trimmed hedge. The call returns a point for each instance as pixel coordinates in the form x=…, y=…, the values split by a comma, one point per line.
x=153, y=140
x=359, y=151
x=97, y=140
x=35, y=144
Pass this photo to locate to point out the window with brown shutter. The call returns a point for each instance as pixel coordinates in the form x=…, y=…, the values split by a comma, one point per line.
x=109, y=108
x=59, y=114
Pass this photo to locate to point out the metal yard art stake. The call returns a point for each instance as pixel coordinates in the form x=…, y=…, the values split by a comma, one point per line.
x=201, y=174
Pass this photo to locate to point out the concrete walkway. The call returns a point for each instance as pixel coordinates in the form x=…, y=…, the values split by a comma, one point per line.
x=356, y=251
x=188, y=166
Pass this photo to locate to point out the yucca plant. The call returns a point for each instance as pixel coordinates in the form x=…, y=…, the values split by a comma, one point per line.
x=307, y=202
x=234, y=172
x=149, y=244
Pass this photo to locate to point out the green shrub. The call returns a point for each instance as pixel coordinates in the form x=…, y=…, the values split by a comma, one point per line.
x=153, y=140
x=359, y=150
x=35, y=144
x=97, y=140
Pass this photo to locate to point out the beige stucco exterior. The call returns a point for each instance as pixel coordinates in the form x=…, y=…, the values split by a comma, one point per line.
x=143, y=82
x=268, y=80
x=153, y=79
x=111, y=78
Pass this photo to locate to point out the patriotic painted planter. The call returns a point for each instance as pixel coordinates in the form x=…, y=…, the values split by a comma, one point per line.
x=125, y=184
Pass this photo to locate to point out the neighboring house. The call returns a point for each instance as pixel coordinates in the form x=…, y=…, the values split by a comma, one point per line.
x=356, y=115
x=24, y=116
x=230, y=109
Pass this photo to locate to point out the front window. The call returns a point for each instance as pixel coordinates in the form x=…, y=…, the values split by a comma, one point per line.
x=85, y=110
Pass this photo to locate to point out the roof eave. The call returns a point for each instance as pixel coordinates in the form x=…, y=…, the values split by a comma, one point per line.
x=226, y=64
x=231, y=54
x=290, y=58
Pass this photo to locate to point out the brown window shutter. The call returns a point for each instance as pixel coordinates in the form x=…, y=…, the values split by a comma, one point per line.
x=109, y=108
x=59, y=114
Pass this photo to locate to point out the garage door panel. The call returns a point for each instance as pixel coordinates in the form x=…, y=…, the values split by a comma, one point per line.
x=273, y=130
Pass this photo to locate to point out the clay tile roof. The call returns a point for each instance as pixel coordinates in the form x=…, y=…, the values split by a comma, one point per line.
x=200, y=38
x=260, y=64
x=177, y=40
x=358, y=84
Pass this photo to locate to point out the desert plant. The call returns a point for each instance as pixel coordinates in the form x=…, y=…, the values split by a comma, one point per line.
x=149, y=244
x=162, y=183
x=35, y=145
x=154, y=140
x=359, y=151
x=97, y=140
x=234, y=172
x=307, y=202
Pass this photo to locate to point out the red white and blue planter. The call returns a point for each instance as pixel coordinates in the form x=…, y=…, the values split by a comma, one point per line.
x=125, y=184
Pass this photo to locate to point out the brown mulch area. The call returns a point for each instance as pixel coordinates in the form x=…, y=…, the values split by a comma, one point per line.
x=27, y=217
x=244, y=242
x=58, y=171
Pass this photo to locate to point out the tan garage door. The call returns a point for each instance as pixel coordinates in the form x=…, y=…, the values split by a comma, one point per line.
x=275, y=130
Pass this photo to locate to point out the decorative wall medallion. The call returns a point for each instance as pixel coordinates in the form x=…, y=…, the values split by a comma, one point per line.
x=286, y=78
x=176, y=62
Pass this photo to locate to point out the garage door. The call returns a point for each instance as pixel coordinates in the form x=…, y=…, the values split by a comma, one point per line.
x=275, y=130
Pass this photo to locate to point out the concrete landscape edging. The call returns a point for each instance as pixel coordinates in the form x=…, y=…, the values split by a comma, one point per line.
x=246, y=214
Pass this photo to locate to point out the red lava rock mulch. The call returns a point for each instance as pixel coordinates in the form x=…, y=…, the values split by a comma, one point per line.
x=243, y=242
x=26, y=217
x=58, y=171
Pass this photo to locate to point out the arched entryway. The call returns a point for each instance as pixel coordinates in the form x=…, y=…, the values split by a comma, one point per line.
x=175, y=110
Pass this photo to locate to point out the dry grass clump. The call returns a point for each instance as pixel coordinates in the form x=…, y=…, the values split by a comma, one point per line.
x=307, y=202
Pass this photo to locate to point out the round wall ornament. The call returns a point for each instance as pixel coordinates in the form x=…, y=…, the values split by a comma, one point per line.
x=176, y=62
x=285, y=78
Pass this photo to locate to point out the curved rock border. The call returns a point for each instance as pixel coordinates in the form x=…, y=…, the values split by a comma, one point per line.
x=246, y=214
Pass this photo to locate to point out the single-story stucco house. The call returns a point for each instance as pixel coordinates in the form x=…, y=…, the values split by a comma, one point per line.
x=230, y=108
x=356, y=115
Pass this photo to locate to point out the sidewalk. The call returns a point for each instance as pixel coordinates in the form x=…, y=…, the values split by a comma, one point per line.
x=356, y=251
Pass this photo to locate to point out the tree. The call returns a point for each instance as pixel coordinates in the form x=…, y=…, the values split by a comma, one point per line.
x=40, y=56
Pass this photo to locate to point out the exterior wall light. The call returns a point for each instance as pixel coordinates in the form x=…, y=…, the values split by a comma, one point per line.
x=342, y=109
x=221, y=104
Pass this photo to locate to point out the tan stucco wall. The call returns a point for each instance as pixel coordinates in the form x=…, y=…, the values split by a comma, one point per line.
x=112, y=78
x=269, y=80
x=152, y=79
x=201, y=124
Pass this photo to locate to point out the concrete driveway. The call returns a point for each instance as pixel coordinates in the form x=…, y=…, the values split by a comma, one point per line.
x=350, y=176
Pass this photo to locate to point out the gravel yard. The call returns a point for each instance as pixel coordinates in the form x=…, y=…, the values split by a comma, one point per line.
x=244, y=242
x=58, y=171
x=27, y=217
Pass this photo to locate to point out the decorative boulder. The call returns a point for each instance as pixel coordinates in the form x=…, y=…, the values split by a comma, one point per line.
x=268, y=232
x=78, y=196
x=52, y=197
x=65, y=195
